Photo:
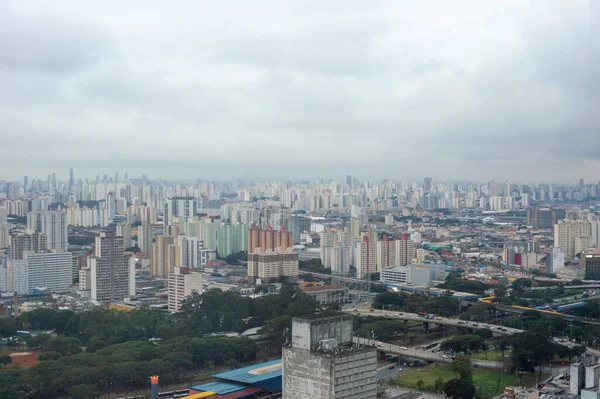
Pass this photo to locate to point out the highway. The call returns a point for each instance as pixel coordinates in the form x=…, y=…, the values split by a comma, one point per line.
x=437, y=320
x=421, y=354
x=585, y=320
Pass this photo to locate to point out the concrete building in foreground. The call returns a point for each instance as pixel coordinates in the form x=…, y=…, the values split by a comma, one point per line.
x=320, y=360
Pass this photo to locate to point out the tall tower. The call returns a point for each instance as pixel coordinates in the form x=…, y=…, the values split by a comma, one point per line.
x=110, y=269
x=51, y=223
x=71, y=179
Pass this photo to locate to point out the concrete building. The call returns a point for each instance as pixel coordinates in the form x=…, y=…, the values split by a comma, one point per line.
x=53, y=270
x=411, y=274
x=4, y=235
x=320, y=360
x=180, y=207
x=30, y=241
x=232, y=239
x=555, y=260
x=110, y=269
x=145, y=238
x=298, y=225
x=182, y=282
x=268, y=239
x=163, y=256
x=544, y=217
x=51, y=223
x=590, y=265
x=272, y=264
x=572, y=236
x=327, y=294
x=124, y=230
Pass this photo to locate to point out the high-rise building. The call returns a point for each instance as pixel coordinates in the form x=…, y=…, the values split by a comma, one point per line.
x=320, y=360
x=111, y=270
x=52, y=270
x=31, y=241
x=182, y=282
x=590, y=264
x=298, y=225
x=555, y=260
x=145, y=239
x=427, y=184
x=51, y=223
x=180, y=207
x=4, y=235
x=364, y=259
x=572, y=236
x=3, y=214
x=232, y=238
x=163, y=256
x=191, y=252
x=272, y=264
x=124, y=230
x=544, y=217
x=264, y=240
x=71, y=179
x=386, y=253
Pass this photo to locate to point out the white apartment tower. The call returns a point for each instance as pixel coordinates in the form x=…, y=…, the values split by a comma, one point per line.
x=51, y=223
x=182, y=282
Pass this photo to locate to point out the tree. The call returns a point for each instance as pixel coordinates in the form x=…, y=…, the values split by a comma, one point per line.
x=51, y=355
x=84, y=391
x=5, y=360
x=461, y=387
x=8, y=327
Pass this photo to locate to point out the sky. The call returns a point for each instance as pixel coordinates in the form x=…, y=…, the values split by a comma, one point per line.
x=301, y=89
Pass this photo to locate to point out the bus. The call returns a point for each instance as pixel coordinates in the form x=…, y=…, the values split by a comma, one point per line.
x=430, y=345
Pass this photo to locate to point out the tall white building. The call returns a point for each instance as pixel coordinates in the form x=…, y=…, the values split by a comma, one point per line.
x=572, y=236
x=4, y=235
x=144, y=240
x=191, y=252
x=181, y=207
x=555, y=261
x=53, y=270
x=110, y=269
x=124, y=230
x=51, y=223
x=182, y=282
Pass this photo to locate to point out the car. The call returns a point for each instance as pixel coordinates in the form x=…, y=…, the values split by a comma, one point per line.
x=391, y=367
x=462, y=322
x=371, y=310
x=379, y=344
x=356, y=310
x=475, y=325
x=404, y=348
x=444, y=356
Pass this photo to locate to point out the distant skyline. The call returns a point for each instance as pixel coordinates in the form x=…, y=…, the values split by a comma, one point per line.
x=466, y=90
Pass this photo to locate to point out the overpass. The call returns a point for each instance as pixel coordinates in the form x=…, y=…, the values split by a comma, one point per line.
x=568, y=287
x=568, y=317
x=498, y=330
x=389, y=348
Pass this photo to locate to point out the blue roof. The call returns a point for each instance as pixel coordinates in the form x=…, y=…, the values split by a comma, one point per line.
x=243, y=375
x=220, y=388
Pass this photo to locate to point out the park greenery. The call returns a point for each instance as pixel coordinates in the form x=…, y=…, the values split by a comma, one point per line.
x=105, y=348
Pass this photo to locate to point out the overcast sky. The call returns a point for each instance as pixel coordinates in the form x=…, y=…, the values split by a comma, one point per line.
x=271, y=89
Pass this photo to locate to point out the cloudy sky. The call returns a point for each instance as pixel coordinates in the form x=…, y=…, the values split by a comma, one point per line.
x=270, y=89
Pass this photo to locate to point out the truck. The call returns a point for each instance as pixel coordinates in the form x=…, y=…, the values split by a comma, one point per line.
x=430, y=316
x=421, y=314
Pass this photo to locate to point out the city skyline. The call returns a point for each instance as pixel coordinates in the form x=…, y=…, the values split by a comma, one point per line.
x=485, y=91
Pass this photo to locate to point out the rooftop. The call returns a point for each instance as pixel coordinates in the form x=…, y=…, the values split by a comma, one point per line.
x=220, y=388
x=322, y=288
x=253, y=374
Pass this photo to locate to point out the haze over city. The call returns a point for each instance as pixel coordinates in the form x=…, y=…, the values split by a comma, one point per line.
x=503, y=90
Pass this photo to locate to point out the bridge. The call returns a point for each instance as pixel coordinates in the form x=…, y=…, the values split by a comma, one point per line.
x=389, y=348
x=568, y=317
x=498, y=330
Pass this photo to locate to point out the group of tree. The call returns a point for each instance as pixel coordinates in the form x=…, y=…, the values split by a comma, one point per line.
x=443, y=305
x=61, y=371
x=313, y=266
x=454, y=283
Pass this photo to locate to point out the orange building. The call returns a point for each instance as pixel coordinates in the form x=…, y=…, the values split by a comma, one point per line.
x=269, y=239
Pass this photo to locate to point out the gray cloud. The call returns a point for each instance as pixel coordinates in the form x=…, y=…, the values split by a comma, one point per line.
x=301, y=89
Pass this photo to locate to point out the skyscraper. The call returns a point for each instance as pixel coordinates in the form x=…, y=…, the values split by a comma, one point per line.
x=34, y=241
x=71, y=179
x=269, y=239
x=51, y=223
x=110, y=269
x=163, y=256
x=53, y=270
x=572, y=236
x=144, y=237
x=427, y=184
x=181, y=207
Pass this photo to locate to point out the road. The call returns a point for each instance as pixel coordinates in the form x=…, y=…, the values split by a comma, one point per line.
x=385, y=373
x=438, y=320
x=585, y=320
x=421, y=354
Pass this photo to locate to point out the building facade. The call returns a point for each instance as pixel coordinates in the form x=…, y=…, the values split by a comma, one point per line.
x=182, y=282
x=51, y=223
x=110, y=270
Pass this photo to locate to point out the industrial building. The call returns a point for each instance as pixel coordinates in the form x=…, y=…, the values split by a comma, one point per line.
x=255, y=381
x=320, y=360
